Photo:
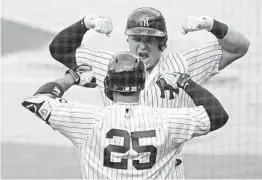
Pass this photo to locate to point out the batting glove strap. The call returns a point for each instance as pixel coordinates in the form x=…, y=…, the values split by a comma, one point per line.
x=75, y=75
x=219, y=29
x=183, y=80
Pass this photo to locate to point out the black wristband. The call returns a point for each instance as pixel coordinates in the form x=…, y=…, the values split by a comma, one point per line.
x=51, y=88
x=189, y=85
x=82, y=24
x=219, y=29
x=182, y=81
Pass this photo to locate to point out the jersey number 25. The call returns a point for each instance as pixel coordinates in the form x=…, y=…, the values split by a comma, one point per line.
x=126, y=147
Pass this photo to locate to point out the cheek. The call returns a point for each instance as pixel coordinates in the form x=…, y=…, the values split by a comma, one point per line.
x=155, y=46
x=155, y=50
x=132, y=47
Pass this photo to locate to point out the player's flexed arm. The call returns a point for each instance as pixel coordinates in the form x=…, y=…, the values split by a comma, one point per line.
x=66, y=46
x=72, y=119
x=205, y=61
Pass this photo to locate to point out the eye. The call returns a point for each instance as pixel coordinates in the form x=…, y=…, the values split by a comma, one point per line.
x=151, y=39
x=136, y=38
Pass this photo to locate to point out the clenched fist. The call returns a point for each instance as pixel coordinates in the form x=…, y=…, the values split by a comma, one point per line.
x=192, y=23
x=99, y=24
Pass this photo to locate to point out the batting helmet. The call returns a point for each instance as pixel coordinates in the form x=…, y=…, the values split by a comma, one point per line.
x=126, y=73
x=147, y=21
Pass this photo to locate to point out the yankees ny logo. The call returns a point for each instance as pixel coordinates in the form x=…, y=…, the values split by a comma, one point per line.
x=144, y=21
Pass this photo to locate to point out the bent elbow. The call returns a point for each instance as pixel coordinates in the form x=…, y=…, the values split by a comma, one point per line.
x=224, y=119
x=53, y=51
x=60, y=54
x=219, y=122
x=244, y=49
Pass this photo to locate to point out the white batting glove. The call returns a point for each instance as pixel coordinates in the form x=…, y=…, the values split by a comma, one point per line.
x=86, y=77
x=100, y=24
x=170, y=79
x=83, y=75
x=192, y=23
x=172, y=82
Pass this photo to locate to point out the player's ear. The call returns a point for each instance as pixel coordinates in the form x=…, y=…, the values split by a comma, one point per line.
x=127, y=38
x=162, y=47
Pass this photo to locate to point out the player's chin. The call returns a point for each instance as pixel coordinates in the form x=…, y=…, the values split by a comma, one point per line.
x=146, y=62
x=149, y=65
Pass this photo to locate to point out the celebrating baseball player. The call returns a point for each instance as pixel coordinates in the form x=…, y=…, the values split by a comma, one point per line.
x=128, y=139
x=147, y=38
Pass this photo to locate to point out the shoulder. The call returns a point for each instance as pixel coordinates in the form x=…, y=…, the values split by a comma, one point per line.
x=42, y=99
x=92, y=51
x=191, y=52
x=178, y=56
x=174, y=62
x=86, y=108
x=107, y=109
x=173, y=113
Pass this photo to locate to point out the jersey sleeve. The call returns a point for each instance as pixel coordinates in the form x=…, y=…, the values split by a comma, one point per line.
x=72, y=119
x=98, y=60
x=186, y=123
x=203, y=61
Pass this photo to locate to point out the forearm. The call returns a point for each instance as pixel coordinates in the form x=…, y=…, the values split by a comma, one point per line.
x=200, y=96
x=230, y=39
x=64, y=45
x=56, y=88
x=66, y=82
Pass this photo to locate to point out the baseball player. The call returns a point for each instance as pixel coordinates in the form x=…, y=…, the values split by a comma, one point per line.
x=127, y=140
x=147, y=37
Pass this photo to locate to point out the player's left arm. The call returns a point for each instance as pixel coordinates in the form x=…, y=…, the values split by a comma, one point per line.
x=186, y=123
x=73, y=120
x=209, y=59
x=174, y=82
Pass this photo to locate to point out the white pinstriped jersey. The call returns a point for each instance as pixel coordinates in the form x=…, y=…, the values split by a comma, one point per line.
x=124, y=140
x=200, y=63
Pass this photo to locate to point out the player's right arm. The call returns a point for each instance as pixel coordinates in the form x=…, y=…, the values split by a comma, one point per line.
x=73, y=120
x=67, y=49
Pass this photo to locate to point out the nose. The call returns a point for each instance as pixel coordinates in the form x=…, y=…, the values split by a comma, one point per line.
x=142, y=45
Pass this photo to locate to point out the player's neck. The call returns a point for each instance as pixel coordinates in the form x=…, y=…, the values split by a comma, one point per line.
x=153, y=66
x=119, y=98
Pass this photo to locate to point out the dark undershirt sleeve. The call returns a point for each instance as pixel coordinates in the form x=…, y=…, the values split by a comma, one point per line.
x=201, y=96
x=64, y=45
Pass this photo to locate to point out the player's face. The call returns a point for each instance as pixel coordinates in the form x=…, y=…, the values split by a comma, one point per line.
x=146, y=47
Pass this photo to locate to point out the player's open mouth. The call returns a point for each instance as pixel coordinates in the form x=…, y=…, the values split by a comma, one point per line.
x=143, y=55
